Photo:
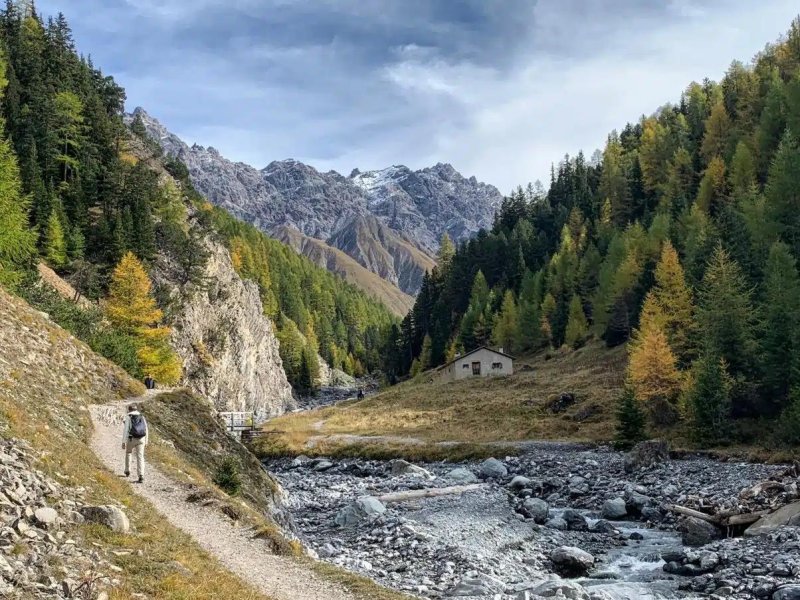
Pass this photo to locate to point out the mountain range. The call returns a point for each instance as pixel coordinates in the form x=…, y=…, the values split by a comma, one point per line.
x=387, y=222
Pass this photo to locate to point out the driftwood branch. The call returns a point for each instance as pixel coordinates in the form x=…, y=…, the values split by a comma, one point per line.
x=428, y=493
x=690, y=512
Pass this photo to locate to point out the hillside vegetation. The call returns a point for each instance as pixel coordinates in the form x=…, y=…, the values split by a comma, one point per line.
x=681, y=240
x=82, y=192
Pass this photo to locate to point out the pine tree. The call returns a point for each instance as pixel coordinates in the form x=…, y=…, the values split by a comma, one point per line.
x=674, y=299
x=446, y=253
x=789, y=428
x=652, y=371
x=577, y=326
x=130, y=305
x=780, y=327
x=506, y=328
x=743, y=172
x=630, y=421
x=131, y=308
x=713, y=187
x=726, y=315
x=614, y=185
x=17, y=241
x=55, y=244
x=425, y=356
x=783, y=192
x=718, y=131
x=710, y=399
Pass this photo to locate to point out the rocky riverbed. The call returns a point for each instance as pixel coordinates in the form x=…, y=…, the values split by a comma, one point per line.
x=555, y=522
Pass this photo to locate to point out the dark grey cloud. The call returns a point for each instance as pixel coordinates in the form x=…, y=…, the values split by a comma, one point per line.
x=498, y=87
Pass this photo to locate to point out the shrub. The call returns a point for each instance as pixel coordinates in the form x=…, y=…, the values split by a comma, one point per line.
x=228, y=476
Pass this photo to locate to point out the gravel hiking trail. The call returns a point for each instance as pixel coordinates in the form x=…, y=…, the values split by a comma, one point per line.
x=278, y=577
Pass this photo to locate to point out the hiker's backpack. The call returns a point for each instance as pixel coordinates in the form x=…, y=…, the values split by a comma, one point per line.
x=138, y=428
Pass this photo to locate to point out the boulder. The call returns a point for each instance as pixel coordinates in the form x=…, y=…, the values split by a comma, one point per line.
x=787, y=592
x=519, y=482
x=537, y=509
x=575, y=520
x=492, y=468
x=571, y=561
x=696, y=532
x=556, y=523
x=556, y=588
x=786, y=516
x=323, y=465
x=646, y=454
x=110, y=516
x=636, y=502
x=614, y=509
x=480, y=585
x=364, y=509
x=461, y=476
x=603, y=526
x=45, y=517
x=404, y=468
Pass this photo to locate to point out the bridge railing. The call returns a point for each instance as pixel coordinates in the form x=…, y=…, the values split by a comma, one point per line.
x=237, y=422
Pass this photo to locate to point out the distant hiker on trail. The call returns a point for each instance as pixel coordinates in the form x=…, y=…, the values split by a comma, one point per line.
x=360, y=394
x=149, y=382
x=134, y=439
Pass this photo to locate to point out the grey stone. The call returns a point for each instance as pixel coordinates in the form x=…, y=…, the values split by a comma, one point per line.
x=787, y=592
x=462, y=476
x=696, y=532
x=323, y=465
x=519, y=482
x=572, y=561
x=537, y=509
x=603, y=526
x=575, y=520
x=364, y=509
x=614, y=509
x=646, y=454
x=46, y=516
x=786, y=516
x=480, y=585
x=492, y=468
x=401, y=467
x=556, y=523
x=110, y=516
x=558, y=588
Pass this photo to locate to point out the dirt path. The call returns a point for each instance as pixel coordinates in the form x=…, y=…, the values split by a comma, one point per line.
x=278, y=577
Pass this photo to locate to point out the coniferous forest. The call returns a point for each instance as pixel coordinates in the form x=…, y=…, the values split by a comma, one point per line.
x=681, y=240
x=74, y=197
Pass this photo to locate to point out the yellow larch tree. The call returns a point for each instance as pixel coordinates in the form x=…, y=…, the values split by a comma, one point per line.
x=131, y=307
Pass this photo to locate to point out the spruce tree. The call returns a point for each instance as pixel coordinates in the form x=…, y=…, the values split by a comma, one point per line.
x=506, y=328
x=783, y=192
x=630, y=421
x=577, y=326
x=710, y=400
x=726, y=316
x=55, y=244
x=674, y=299
x=780, y=327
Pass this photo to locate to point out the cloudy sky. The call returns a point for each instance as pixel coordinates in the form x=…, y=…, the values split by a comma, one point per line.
x=498, y=88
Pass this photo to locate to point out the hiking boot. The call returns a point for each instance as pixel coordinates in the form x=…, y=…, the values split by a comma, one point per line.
x=140, y=480
x=127, y=473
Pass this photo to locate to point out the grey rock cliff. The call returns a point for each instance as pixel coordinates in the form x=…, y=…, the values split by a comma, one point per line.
x=228, y=346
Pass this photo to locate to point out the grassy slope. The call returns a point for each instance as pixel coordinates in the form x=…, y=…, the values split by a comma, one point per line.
x=333, y=259
x=47, y=380
x=476, y=411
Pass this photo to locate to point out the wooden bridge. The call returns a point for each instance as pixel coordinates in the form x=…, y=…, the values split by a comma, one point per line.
x=242, y=425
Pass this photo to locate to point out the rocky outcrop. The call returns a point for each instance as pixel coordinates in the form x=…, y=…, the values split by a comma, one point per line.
x=415, y=207
x=228, y=346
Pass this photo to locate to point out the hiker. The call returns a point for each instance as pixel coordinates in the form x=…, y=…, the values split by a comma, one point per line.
x=134, y=439
x=360, y=394
x=149, y=382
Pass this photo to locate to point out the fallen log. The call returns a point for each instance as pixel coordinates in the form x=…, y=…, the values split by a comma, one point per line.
x=690, y=512
x=746, y=518
x=428, y=493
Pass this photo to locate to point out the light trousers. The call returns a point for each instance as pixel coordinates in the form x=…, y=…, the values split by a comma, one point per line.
x=136, y=446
